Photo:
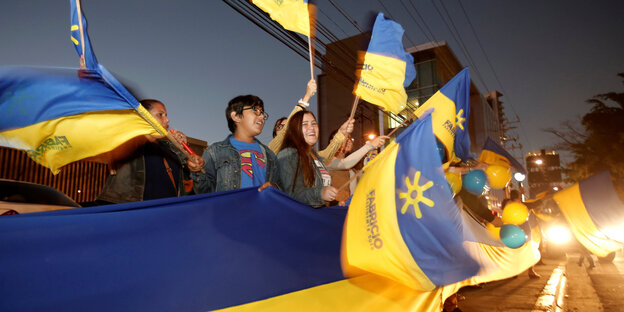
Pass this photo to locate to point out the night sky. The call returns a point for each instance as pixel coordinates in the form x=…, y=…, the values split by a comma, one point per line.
x=549, y=56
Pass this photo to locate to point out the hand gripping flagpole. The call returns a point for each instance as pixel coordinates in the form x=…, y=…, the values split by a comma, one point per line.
x=359, y=173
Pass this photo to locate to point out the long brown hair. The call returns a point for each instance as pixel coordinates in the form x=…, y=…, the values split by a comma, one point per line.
x=294, y=138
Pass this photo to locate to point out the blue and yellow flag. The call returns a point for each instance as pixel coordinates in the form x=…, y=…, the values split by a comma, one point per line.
x=386, y=69
x=61, y=115
x=494, y=154
x=293, y=15
x=403, y=223
x=595, y=213
x=58, y=117
x=451, y=106
x=261, y=251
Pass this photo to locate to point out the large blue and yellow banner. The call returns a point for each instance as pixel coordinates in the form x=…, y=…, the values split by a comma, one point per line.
x=293, y=15
x=403, y=223
x=595, y=213
x=451, y=109
x=494, y=154
x=241, y=250
x=386, y=68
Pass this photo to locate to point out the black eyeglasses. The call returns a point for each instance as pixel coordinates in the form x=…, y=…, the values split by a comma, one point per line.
x=258, y=111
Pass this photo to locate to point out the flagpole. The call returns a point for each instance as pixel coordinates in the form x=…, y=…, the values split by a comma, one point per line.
x=312, y=20
x=310, y=52
x=83, y=62
x=358, y=173
x=354, y=106
x=160, y=129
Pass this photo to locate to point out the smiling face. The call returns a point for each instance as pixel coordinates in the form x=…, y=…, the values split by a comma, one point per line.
x=310, y=129
x=249, y=124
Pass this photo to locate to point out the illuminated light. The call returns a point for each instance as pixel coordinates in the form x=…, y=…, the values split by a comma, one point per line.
x=371, y=136
x=519, y=176
x=559, y=234
x=614, y=233
x=539, y=161
x=79, y=191
x=555, y=188
x=487, y=197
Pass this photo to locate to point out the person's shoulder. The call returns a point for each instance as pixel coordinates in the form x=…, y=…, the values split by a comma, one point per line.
x=287, y=152
x=222, y=143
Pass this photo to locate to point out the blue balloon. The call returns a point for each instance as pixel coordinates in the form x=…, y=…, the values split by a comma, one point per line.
x=441, y=150
x=512, y=236
x=474, y=181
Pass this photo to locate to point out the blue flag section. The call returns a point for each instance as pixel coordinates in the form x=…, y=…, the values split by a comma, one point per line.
x=387, y=40
x=403, y=223
x=79, y=37
x=429, y=220
x=194, y=253
x=385, y=69
x=29, y=95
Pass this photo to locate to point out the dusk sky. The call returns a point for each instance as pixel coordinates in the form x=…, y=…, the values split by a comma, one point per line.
x=549, y=56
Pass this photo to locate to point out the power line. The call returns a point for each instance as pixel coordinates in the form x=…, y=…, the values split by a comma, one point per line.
x=459, y=40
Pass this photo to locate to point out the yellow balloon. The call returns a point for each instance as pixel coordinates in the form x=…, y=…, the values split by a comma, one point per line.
x=493, y=230
x=515, y=213
x=498, y=176
x=454, y=180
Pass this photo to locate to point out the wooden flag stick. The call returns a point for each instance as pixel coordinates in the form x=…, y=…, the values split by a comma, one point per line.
x=354, y=107
x=397, y=128
x=312, y=19
x=311, y=52
x=355, y=176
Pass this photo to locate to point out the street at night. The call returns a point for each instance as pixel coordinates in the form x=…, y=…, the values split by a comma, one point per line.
x=563, y=286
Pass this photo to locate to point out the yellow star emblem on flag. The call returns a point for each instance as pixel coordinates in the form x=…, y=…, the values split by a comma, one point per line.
x=414, y=195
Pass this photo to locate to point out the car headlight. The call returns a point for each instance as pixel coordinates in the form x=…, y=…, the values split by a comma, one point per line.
x=558, y=234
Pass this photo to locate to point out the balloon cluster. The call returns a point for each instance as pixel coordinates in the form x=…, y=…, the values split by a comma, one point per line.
x=497, y=177
x=514, y=214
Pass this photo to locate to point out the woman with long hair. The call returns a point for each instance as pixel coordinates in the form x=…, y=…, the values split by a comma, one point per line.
x=303, y=172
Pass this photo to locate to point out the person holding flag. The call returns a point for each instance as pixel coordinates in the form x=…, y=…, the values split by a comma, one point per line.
x=334, y=144
x=154, y=167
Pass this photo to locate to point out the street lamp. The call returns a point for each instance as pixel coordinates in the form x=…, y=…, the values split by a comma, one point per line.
x=519, y=176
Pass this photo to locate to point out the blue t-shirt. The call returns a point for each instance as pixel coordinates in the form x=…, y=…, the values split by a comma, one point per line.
x=253, y=163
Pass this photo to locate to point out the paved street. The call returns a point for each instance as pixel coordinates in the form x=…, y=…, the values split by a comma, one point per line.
x=564, y=286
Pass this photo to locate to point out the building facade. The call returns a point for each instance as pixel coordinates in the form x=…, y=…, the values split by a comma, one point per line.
x=544, y=169
x=435, y=65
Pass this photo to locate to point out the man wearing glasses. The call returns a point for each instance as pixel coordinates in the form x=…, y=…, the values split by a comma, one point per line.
x=239, y=161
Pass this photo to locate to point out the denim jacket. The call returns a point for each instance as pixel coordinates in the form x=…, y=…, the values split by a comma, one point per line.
x=128, y=182
x=288, y=160
x=223, y=168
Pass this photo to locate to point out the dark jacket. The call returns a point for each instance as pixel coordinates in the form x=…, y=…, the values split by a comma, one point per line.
x=223, y=168
x=128, y=183
x=288, y=160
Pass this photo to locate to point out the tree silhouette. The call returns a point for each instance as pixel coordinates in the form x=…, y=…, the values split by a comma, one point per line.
x=596, y=141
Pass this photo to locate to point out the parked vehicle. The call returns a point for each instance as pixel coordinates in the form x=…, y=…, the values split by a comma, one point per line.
x=17, y=197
